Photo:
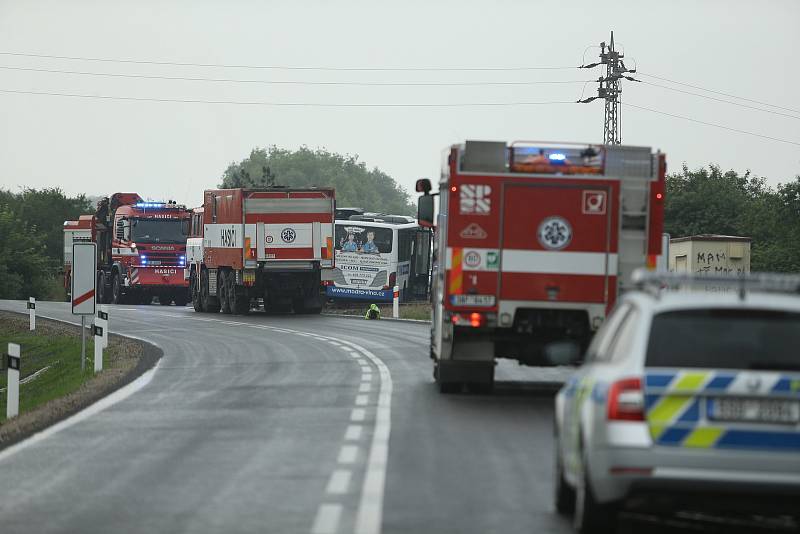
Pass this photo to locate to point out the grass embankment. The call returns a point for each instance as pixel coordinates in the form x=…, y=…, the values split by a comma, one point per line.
x=61, y=387
x=413, y=310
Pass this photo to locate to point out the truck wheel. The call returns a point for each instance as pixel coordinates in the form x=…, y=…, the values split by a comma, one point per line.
x=210, y=304
x=222, y=292
x=100, y=294
x=181, y=300
x=194, y=285
x=164, y=300
x=445, y=386
x=116, y=289
x=237, y=296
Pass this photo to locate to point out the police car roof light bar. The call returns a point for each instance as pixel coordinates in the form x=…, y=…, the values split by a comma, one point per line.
x=761, y=282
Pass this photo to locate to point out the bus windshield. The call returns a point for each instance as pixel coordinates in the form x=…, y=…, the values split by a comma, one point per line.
x=363, y=239
x=158, y=230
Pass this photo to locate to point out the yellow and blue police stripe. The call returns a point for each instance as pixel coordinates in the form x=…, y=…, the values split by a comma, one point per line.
x=676, y=403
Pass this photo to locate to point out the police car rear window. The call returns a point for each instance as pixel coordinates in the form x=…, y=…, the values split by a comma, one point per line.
x=725, y=339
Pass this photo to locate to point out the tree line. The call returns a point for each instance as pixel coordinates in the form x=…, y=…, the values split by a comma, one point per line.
x=701, y=201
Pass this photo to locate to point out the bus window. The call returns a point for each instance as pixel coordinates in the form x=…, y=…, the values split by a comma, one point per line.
x=363, y=239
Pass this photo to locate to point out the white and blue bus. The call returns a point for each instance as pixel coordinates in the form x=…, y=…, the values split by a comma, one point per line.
x=376, y=252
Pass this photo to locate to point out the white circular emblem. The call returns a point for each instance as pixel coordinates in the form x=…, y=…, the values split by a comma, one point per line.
x=288, y=235
x=472, y=259
x=554, y=233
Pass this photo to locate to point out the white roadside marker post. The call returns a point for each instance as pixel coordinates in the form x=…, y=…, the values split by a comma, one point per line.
x=32, y=312
x=102, y=316
x=98, y=346
x=12, y=404
x=396, y=302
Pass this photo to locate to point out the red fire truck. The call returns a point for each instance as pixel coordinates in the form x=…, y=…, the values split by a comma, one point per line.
x=141, y=249
x=534, y=243
x=270, y=243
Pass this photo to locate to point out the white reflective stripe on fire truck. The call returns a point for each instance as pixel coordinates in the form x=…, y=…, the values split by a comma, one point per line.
x=288, y=235
x=124, y=251
x=557, y=262
x=286, y=205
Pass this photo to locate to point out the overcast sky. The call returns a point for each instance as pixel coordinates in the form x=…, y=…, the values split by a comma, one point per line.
x=175, y=150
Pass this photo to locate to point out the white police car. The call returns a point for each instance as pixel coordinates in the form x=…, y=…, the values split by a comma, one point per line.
x=692, y=397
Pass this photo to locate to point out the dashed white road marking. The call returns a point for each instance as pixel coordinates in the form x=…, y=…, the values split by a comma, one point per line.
x=362, y=400
x=353, y=432
x=339, y=482
x=348, y=454
x=327, y=520
x=366, y=377
x=365, y=387
x=370, y=509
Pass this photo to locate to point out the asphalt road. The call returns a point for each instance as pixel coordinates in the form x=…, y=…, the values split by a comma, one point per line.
x=289, y=424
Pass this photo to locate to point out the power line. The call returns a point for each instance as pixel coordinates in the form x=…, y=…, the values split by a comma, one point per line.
x=720, y=100
x=284, y=82
x=281, y=67
x=715, y=125
x=288, y=104
x=719, y=92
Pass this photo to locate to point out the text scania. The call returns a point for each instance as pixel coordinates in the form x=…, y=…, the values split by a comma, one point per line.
x=227, y=237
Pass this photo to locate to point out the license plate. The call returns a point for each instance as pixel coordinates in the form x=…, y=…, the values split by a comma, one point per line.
x=157, y=262
x=755, y=410
x=472, y=300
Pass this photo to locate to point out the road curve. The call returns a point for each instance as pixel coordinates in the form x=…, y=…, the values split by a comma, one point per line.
x=288, y=424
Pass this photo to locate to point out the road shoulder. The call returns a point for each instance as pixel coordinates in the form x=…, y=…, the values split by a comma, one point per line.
x=140, y=357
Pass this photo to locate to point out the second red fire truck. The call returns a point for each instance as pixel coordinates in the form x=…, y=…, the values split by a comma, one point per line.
x=141, y=249
x=534, y=243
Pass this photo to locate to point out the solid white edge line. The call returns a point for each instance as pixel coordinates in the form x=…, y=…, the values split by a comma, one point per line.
x=109, y=400
x=369, y=517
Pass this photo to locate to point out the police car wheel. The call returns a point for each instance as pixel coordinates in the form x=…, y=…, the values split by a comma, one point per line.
x=564, y=495
x=592, y=517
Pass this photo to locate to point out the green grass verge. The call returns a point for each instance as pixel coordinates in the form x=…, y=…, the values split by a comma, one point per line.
x=61, y=352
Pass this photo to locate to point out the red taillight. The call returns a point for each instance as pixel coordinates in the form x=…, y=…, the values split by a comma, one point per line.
x=625, y=400
x=474, y=319
x=453, y=189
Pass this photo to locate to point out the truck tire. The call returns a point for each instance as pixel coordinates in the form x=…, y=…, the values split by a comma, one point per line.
x=116, y=289
x=222, y=292
x=164, y=300
x=237, y=296
x=210, y=304
x=446, y=386
x=181, y=300
x=100, y=294
x=194, y=286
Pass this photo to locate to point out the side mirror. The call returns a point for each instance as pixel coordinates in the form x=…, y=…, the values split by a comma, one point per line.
x=425, y=210
x=563, y=353
x=423, y=186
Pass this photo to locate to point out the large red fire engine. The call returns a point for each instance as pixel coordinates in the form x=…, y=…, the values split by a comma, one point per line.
x=534, y=243
x=269, y=243
x=141, y=249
